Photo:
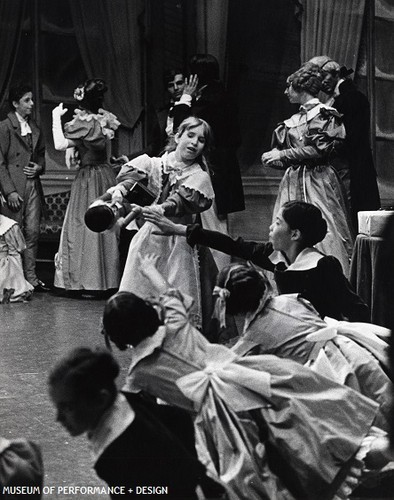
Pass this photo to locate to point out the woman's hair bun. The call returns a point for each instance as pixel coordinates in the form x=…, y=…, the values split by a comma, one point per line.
x=308, y=219
x=308, y=78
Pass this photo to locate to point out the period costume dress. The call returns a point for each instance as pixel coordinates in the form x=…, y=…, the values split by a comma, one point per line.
x=351, y=354
x=88, y=260
x=13, y=285
x=183, y=192
x=290, y=405
x=317, y=277
x=306, y=144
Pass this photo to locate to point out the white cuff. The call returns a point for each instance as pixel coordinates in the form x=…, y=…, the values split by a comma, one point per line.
x=185, y=99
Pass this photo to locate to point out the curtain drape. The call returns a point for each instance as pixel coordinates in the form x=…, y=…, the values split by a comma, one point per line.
x=109, y=37
x=211, y=24
x=11, y=18
x=332, y=28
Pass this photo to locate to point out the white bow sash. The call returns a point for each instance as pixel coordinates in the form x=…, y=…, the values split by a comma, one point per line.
x=240, y=387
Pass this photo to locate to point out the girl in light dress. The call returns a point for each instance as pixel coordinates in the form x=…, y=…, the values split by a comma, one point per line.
x=13, y=285
x=251, y=413
x=86, y=261
x=181, y=183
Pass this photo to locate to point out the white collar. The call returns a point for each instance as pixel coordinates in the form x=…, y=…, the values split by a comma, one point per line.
x=306, y=113
x=25, y=127
x=20, y=118
x=111, y=425
x=306, y=259
x=336, y=90
x=171, y=164
x=147, y=346
x=308, y=105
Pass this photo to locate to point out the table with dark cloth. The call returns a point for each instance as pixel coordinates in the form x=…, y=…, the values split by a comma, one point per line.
x=367, y=276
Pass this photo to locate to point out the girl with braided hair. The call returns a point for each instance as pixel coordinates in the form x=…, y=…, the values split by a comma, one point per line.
x=305, y=145
x=267, y=427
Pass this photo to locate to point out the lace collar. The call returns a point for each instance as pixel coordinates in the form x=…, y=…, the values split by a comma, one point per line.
x=191, y=176
x=174, y=167
x=108, y=121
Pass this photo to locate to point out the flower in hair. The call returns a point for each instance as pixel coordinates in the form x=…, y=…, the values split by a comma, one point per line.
x=79, y=93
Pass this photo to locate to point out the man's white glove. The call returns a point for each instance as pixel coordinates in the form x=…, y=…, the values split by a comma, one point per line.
x=59, y=141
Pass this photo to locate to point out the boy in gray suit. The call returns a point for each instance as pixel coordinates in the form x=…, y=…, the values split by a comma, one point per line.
x=22, y=161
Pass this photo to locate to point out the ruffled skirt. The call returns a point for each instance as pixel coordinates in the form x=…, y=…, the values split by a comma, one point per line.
x=87, y=260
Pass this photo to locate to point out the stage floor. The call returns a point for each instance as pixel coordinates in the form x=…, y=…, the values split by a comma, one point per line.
x=33, y=336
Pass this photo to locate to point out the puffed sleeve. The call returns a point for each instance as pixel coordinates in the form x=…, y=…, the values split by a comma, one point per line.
x=186, y=201
x=342, y=302
x=89, y=131
x=324, y=133
x=176, y=307
x=278, y=140
x=193, y=195
x=137, y=169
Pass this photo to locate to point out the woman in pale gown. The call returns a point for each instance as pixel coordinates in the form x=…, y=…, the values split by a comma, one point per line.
x=304, y=145
x=86, y=261
x=181, y=183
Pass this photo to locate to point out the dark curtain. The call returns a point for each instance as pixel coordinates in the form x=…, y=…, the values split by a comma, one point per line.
x=211, y=29
x=332, y=28
x=11, y=18
x=109, y=37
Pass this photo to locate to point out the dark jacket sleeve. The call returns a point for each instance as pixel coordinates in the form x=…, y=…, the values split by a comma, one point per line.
x=6, y=183
x=258, y=253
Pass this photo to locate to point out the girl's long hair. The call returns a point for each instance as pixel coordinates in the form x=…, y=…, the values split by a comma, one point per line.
x=190, y=123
